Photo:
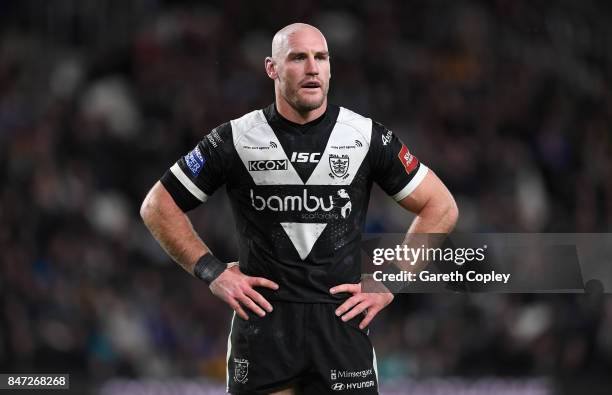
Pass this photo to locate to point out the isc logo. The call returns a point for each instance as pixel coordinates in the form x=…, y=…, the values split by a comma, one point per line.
x=259, y=165
x=304, y=157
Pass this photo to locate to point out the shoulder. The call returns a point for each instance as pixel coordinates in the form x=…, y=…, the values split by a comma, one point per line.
x=368, y=127
x=233, y=130
x=246, y=123
x=219, y=135
x=349, y=117
x=357, y=122
x=381, y=132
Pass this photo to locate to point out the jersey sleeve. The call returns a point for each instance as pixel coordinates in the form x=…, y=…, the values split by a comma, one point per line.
x=394, y=168
x=196, y=175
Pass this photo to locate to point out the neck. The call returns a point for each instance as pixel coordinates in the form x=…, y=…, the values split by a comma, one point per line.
x=291, y=114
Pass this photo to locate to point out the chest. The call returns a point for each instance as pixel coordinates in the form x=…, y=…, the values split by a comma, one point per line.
x=324, y=158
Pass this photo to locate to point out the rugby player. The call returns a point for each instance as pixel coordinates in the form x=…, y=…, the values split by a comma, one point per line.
x=298, y=174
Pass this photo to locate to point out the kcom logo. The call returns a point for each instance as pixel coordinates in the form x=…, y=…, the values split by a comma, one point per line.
x=261, y=165
x=338, y=387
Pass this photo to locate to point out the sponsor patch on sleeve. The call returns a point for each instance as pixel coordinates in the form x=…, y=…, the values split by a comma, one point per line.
x=409, y=161
x=214, y=139
x=195, y=161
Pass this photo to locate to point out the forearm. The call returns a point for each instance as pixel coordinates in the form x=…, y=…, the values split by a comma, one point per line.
x=429, y=228
x=172, y=228
x=436, y=216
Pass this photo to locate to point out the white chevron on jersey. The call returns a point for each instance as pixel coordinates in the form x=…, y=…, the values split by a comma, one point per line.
x=303, y=235
x=256, y=143
x=258, y=146
x=342, y=145
x=264, y=158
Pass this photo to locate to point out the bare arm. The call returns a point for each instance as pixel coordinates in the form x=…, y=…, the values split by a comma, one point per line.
x=174, y=232
x=434, y=205
x=436, y=212
x=172, y=228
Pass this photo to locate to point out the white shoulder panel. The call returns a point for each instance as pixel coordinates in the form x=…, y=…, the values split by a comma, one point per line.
x=348, y=145
x=261, y=152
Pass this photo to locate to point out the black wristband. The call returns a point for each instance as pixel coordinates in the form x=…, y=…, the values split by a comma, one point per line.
x=208, y=268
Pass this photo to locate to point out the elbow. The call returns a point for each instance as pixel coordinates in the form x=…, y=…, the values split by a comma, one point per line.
x=157, y=205
x=452, y=213
x=147, y=208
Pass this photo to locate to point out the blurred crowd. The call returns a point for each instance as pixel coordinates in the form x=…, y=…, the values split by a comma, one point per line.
x=509, y=101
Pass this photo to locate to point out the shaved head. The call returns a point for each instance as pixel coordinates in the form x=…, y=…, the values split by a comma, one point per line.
x=280, y=42
x=299, y=66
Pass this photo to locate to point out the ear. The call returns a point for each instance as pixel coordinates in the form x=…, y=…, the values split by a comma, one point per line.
x=271, y=68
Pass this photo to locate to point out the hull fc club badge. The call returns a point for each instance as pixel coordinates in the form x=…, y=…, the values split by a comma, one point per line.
x=241, y=370
x=339, y=165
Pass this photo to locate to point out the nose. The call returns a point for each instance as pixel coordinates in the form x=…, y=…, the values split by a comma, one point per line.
x=312, y=67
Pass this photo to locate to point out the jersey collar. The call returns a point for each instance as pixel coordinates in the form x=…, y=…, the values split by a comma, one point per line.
x=276, y=119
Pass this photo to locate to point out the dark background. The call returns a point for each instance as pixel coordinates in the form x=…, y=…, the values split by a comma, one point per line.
x=509, y=101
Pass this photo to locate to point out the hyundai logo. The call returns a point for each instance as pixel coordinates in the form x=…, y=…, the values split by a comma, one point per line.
x=338, y=386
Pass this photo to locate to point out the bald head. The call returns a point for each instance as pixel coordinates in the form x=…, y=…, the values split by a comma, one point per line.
x=300, y=68
x=281, y=43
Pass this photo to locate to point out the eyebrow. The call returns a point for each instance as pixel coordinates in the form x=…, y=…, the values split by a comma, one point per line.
x=298, y=53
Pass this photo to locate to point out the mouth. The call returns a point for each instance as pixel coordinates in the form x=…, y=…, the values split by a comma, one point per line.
x=311, y=85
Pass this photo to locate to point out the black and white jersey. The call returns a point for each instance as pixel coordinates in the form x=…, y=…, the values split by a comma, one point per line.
x=299, y=193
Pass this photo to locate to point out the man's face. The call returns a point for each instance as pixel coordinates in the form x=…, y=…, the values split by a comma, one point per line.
x=303, y=72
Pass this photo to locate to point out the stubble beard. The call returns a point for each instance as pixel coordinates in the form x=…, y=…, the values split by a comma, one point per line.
x=304, y=106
